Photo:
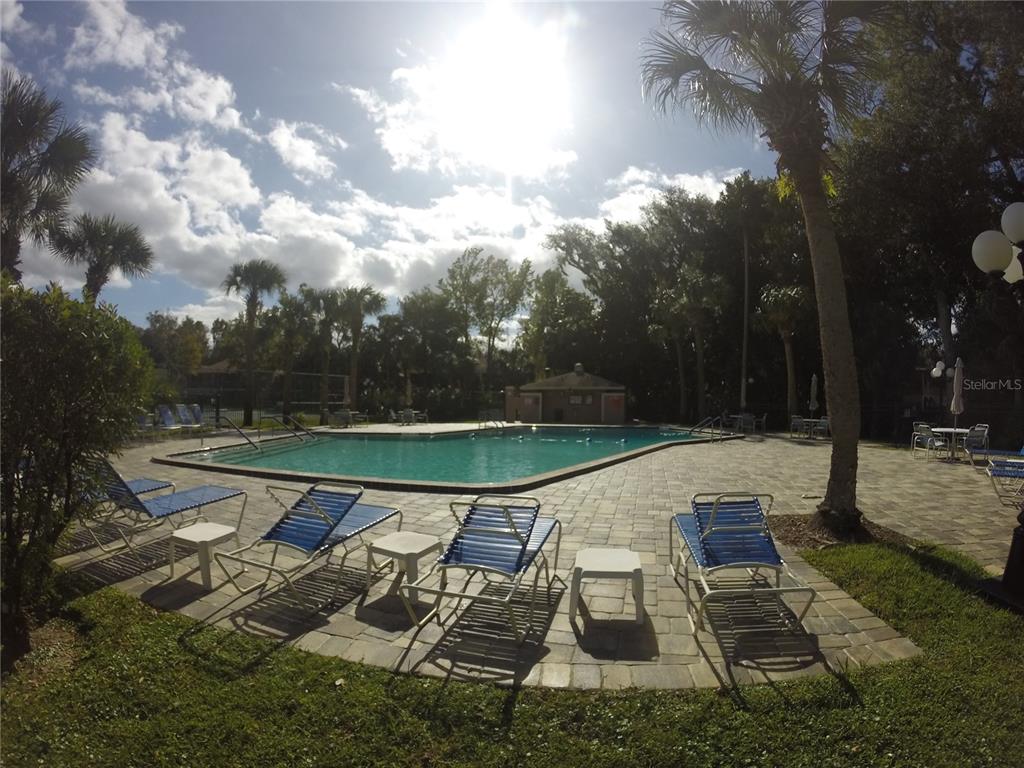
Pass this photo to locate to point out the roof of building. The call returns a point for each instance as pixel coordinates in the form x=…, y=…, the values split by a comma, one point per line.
x=574, y=380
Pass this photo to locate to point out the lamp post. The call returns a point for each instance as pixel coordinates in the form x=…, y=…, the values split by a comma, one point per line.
x=998, y=255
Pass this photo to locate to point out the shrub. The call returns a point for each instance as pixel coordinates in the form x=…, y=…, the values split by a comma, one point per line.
x=72, y=380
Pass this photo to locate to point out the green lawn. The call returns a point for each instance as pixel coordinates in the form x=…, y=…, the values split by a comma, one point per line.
x=129, y=686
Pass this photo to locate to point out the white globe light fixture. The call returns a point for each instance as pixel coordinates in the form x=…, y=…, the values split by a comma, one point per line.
x=992, y=252
x=1014, y=272
x=1012, y=223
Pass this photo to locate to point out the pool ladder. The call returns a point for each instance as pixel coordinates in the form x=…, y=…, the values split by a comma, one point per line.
x=301, y=429
x=710, y=423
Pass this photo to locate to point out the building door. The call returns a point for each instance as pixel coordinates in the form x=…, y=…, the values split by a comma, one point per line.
x=613, y=408
x=530, y=407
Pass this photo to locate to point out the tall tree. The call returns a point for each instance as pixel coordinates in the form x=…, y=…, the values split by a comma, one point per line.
x=501, y=295
x=325, y=306
x=255, y=279
x=462, y=285
x=103, y=245
x=290, y=326
x=795, y=71
x=560, y=329
x=42, y=159
x=781, y=310
x=356, y=303
x=177, y=346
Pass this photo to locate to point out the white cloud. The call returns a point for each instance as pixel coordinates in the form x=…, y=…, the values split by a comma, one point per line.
x=304, y=156
x=15, y=25
x=636, y=187
x=498, y=100
x=112, y=35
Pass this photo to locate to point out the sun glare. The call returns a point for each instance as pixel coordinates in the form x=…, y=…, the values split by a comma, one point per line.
x=502, y=96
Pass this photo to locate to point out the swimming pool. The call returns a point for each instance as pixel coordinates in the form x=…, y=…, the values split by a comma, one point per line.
x=511, y=458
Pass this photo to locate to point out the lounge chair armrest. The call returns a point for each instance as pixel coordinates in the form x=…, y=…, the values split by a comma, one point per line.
x=301, y=494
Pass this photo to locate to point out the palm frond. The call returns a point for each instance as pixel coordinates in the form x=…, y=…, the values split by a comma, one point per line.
x=712, y=28
x=674, y=74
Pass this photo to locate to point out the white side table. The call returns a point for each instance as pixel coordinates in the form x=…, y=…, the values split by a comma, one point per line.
x=406, y=547
x=205, y=536
x=608, y=564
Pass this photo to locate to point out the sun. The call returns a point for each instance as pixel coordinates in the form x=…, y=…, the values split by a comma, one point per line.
x=502, y=96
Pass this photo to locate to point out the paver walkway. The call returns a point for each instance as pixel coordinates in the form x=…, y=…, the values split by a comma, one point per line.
x=627, y=505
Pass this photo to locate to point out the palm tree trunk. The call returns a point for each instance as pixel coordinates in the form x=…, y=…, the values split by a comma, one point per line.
x=682, y=376
x=945, y=319
x=746, y=322
x=325, y=368
x=250, y=372
x=787, y=344
x=353, y=372
x=702, y=397
x=840, y=366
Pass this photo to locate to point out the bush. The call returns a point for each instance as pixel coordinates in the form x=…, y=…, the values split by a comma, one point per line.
x=72, y=380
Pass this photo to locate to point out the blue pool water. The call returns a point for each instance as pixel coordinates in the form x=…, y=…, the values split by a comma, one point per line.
x=491, y=456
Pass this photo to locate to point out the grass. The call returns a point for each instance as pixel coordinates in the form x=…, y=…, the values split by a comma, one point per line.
x=125, y=685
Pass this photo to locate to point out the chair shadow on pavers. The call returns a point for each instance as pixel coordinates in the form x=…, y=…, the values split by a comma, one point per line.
x=77, y=539
x=616, y=639
x=481, y=645
x=128, y=564
x=272, y=616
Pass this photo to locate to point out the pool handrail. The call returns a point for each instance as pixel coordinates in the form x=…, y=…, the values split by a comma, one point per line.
x=235, y=427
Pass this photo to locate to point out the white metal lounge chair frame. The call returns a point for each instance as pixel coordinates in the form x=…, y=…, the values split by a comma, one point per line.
x=490, y=575
x=1009, y=490
x=288, y=573
x=683, y=557
x=109, y=512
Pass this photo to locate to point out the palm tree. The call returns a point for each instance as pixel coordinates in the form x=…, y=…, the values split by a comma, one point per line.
x=781, y=311
x=104, y=244
x=290, y=325
x=42, y=158
x=357, y=302
x=792, y=70
x=253, y=278
x=324, y=305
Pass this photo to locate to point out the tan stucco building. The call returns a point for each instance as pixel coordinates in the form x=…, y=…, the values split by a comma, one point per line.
x=570, y=398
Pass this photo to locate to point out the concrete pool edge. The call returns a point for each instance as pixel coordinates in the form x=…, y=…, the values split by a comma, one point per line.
x=424, y=486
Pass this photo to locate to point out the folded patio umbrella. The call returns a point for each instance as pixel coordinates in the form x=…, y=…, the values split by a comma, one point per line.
x=956, y=405
x=813, y=404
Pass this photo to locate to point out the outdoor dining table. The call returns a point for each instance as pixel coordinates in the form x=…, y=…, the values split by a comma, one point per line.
x=951, y=434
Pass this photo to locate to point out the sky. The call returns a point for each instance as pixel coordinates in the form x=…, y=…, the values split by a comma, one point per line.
x=354, y=143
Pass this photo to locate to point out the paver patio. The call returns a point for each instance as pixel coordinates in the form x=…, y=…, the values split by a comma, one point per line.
x=627, y=505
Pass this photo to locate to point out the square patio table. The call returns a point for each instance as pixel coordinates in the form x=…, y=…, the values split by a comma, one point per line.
x=608, y=564
x=406, y=548
x=205, y=536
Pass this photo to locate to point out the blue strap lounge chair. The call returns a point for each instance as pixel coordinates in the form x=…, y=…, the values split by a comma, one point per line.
x=165, y=421
x=499, y=538
x=120, y=503
x=1007, y=478
x=729, y=532
x=188, y=421
x=323, y=517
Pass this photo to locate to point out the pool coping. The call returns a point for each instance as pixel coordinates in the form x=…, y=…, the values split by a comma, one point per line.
x=422, y=486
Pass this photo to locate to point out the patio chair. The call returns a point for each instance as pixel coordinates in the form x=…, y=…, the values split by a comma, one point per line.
x=729, y=532
x=121, y=504
x=188, y=421
x=822, y=427
x=796, y=426
x=321, y=518
x=165, y=419
x=499, y=538
x=761, y=424
x=1008, y=481
x=144, y=426
x=975, y=442
x=926, y=440
x=408, y=417
x=197, y=413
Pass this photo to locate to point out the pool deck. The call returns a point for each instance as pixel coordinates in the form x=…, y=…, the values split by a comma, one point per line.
x=626, y=505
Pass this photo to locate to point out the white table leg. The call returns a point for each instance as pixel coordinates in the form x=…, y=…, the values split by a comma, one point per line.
x=412, y=575
x=574, y=592
x=638, y=595
x=204, y=564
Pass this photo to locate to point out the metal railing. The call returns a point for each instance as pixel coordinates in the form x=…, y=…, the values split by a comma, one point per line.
x=235, y=427
x=709, y=424
x=289, y=430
